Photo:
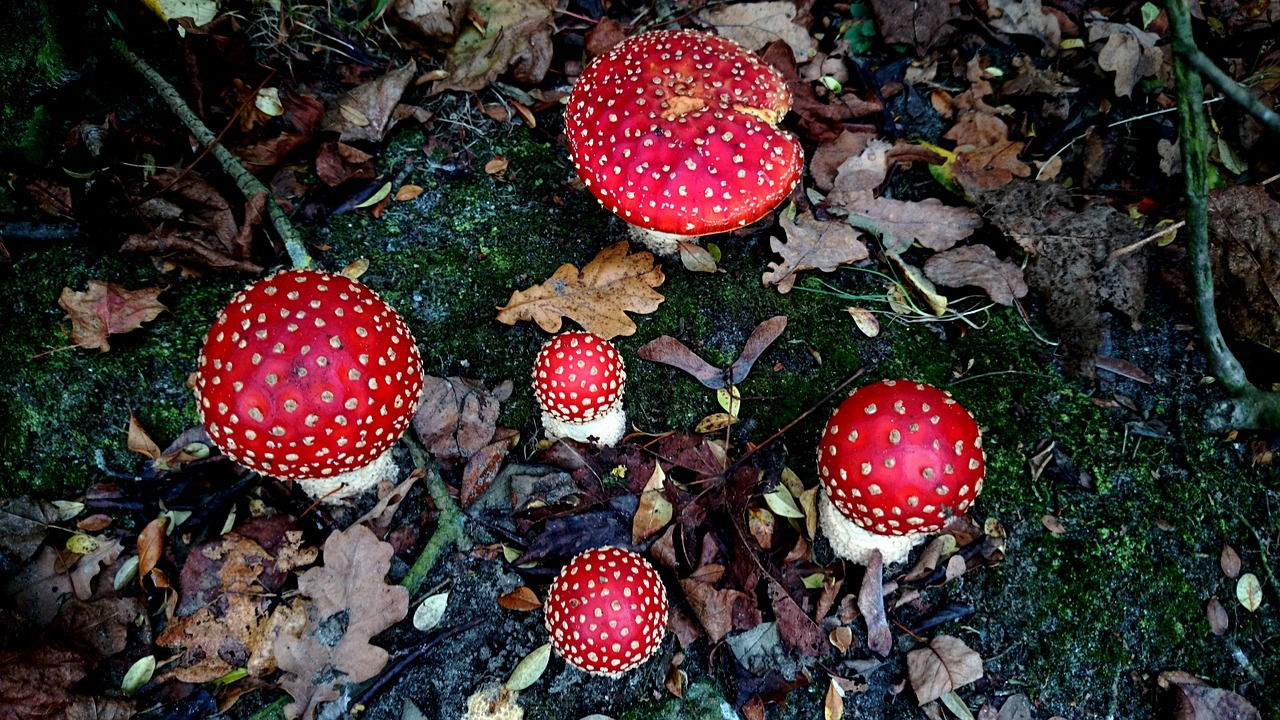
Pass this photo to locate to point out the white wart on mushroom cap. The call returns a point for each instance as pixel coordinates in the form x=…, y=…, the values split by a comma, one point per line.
x=606, y=612
x=308, y=376
x=675, y=132
x=897, y=460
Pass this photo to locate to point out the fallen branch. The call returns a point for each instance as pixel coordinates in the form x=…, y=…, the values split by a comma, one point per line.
x=1248, y=408
x=450, y=526
x=244, y=180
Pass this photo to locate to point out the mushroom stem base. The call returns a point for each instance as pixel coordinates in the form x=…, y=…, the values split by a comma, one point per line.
x=660, y=243
x=605, y=430
x=853, y=543
x=336, y=489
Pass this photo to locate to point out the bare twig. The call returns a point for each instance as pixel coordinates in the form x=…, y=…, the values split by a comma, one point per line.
x=1127, y=249
x=248, y=184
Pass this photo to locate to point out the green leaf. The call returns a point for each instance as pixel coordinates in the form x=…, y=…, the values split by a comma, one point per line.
x=782, y=504
x=139, y=674
x=1149, y=14
x=529, y=669
x=377, y=197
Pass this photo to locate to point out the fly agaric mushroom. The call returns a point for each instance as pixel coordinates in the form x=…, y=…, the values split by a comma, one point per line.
x=578, y=380
x=606, y=612
x=897, y=460
x=675, y=131
x=311, y=377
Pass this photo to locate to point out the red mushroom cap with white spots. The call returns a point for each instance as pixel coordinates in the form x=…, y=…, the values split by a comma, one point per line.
x=675, y=132
x=306, y=375
x=606, y=613
x=578, y=376
x=900, y=458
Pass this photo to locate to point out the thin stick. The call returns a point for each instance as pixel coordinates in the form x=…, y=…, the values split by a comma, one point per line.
x=1127, y=249
x=245, y=180
x=1233, y=91
x=738, y=463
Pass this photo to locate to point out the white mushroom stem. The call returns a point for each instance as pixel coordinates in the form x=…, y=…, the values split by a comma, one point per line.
x=853, y=543
x=660, y=243
x=336, y=489
x=605, y=430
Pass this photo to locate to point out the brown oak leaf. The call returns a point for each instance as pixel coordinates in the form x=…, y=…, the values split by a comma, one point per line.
x=365, y=112
x=754, y=25
x=107, y=309
x=812, y=244
x=598, y=297
x=986, y=168
x=457, y=417
x=977, y=265
x=1130, y=53
x=928, y=222
x=351, y=602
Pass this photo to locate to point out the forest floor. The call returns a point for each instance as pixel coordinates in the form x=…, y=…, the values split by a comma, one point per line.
x=1123, y=528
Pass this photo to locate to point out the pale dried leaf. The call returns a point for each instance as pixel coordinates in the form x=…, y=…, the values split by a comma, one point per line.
x=978, y=265
x=365, y=112
x=107, y=309
x=756, y=24
x=1026, y=17
x=597, y=297
x=515, y=35
x=529, y=669
x=812, y=244
x=871, y=605
x=941, y=666
x=928, y=222
x=1129, y=52
x=430, y=611
x=654, y=511
x=1249, y=592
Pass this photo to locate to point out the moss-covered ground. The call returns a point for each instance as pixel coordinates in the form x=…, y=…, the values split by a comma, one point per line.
x=1081, y=621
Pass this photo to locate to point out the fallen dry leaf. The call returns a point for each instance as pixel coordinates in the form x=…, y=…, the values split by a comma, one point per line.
x=457, y=417
x=871, y=605
x=812, y=244
x=941, y=666
x=598, y=297
x=798, y=631
x=107, y=309
x=1219, y=621
x=1244, y=233
x=717, y=610
x=977, y=265
x=1195, y=700
x=151, y=545
x=654, y=510
x=484, y=465
x=139, y=441
x=1026, y=17
x=364, y=113
x=351, y=582
x=1130, y=53
x=928, y=222
x=522, y=599
x=756, y=24
x=436, y=20
x=922, y=24
x=338, y=162
x=408, y=192
x=1229, y=561
x=986, y=168
x=516, y=36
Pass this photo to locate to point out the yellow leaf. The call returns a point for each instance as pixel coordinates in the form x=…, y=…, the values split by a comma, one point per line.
x=781, y=503
x=408, y=192
x=714, y=423
x=353, y=116
x=377, y=197
x=201, y=12
x=597, y=297
x=1249, y=592
x=731, y=400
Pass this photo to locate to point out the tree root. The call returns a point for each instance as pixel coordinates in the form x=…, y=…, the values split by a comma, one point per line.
x=1249, y=408
x=245, y=180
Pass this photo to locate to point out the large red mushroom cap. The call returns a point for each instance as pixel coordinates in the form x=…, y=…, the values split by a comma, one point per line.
x=675, y=132
x=307, y=375
x=899, y=458
x=606, y=612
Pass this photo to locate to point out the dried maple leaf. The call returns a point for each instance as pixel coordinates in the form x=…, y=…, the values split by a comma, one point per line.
x=812, y=244
x=598, y=297
x=977, y=265
x=754, y=25
x=516, y=36
x=107, y=309
x=941, y=666
x=351, y=602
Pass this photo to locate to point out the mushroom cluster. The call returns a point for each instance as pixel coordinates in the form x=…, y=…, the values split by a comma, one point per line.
x=312, y=377
x=896, y=461
x=578, y=380
x=606, y=612
x=675, y=131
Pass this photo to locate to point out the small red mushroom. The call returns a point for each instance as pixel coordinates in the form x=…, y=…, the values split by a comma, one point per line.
x=312, y=377
x=606, y=612
x=897, y=460
x=675, y=131
x=578, y=380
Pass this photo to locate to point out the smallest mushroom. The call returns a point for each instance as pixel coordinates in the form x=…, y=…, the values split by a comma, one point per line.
x=606, y=612
x=578, y=380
